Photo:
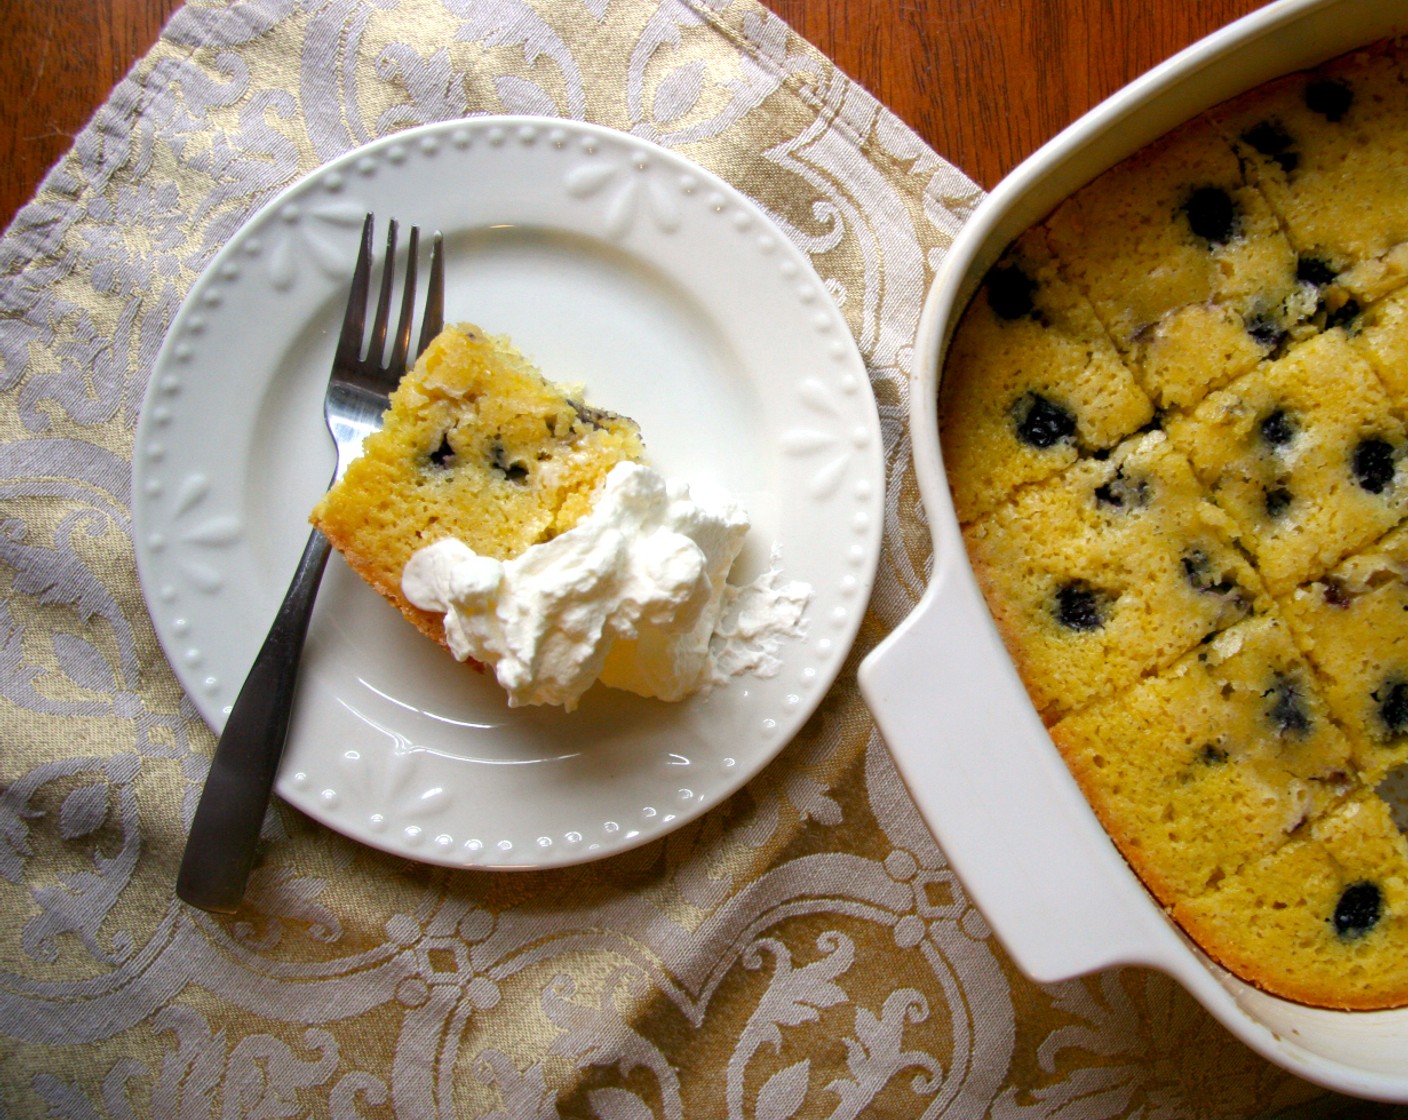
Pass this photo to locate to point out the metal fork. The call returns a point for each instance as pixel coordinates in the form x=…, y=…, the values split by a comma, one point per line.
x=221, y=845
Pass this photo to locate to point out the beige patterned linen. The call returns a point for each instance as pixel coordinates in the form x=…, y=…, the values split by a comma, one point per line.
x=801, y=951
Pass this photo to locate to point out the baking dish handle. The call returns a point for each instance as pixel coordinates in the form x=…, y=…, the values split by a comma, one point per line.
x=997, y=796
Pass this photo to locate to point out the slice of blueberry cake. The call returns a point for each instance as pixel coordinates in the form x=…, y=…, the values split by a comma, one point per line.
x=1352, y=623
x=1322, y=920
x=1217, y=760
x=1107, y=572
x=1306, y=454
x=479, y=446
x=1184, y=263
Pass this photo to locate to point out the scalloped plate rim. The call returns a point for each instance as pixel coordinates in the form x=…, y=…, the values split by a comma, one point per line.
x=846, y=491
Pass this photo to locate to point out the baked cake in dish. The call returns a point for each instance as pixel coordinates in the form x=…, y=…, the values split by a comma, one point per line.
x=476, y=446
x=1200, y=568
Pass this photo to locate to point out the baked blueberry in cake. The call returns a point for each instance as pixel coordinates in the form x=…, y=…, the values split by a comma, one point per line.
x=1032, y=382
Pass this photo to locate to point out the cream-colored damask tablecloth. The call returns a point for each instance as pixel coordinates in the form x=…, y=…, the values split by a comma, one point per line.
x=802, y=950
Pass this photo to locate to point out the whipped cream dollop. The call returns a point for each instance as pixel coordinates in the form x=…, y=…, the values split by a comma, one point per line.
x=632, y=595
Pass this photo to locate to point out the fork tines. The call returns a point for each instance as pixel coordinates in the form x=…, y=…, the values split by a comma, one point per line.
x=349, y=346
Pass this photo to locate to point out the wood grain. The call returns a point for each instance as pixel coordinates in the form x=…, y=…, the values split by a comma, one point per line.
x=61, y=60
x=984, y=82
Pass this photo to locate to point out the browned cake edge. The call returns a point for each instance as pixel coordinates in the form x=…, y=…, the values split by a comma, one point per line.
x=429, y=623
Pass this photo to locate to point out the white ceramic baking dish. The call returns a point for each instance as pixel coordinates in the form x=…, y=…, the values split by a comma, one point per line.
x=982, y=770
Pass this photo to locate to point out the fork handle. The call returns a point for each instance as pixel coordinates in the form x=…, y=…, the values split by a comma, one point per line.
x=221, y=845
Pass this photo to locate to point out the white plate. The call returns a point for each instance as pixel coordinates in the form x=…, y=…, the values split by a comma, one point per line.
x=612, y=262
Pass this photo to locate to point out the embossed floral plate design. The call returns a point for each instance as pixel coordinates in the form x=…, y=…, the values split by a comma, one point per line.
x=611, y=262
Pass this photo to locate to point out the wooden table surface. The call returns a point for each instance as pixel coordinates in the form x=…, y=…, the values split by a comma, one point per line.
x=984, y=82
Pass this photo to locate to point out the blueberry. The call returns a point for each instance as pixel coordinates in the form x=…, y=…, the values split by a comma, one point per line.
x=1041, y=422
x=1330, y=99
x=1373, y=464
x=1272, y=141
x=1287, y=710
x=514, y=471
x=1313, y=270
x=1211, y=214
x=598, y=418
x=1335, y=594
x=1267, y=330
x=1212, y=755
x=1277, y=428
x=1278, y=500
x=1392, y=699
x=1197, y=570
x=1358, y=910
x=1343, y=315
x=1079, y=607
x=442, y=454
x=1123, y=493
x=1010, y=292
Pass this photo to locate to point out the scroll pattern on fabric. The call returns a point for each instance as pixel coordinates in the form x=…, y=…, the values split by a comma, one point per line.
x=801, y=951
